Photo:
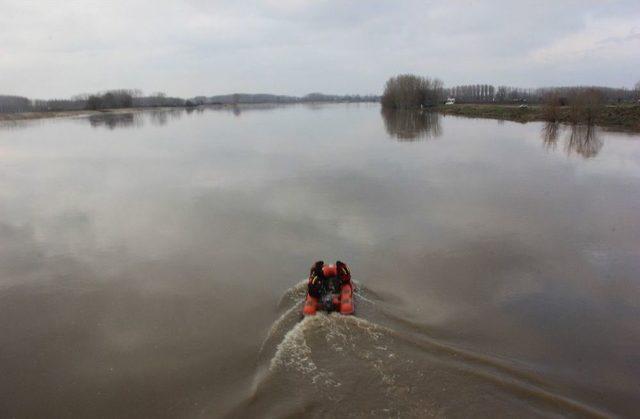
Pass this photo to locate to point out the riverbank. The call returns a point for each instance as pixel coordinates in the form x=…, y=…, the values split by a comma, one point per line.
x=623, y=117
x=26, y=116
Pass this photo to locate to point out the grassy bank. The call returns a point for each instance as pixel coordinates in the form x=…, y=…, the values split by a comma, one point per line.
x=624, y=117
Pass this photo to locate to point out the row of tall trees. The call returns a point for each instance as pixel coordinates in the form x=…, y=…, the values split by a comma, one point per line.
x=472, y=93
x=411, y=91
x=322, y=97
x=10, y=104
x=408, y=91
x=484, y=93
x=74, y=104
x=18, y=104
x=261, y=98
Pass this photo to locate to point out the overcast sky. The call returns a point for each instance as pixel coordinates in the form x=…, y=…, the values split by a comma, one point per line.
x=191, y=47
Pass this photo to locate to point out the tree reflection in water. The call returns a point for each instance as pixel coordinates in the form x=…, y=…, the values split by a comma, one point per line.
x=583, y=140
x=160, y=117
x=116, y=120
x=411, y=125
x=550, y=133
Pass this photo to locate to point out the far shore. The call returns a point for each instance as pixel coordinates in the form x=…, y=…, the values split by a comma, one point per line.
x=618, y=117
x=26, y=116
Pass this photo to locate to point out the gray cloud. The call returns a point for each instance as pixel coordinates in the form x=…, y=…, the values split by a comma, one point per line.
x=52, y=48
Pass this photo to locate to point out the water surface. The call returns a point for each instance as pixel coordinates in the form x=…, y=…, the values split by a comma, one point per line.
x=150, y=265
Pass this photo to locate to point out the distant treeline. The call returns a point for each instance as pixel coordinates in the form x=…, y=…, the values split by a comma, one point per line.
x=112, y=99
x=408, y=91
x=576, y=105
x=125, y=98
x=401, y=92
x=486, y=93
x=240, y=98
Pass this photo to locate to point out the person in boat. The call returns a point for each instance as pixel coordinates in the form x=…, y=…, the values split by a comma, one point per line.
x=327, y=279
x=329, y=289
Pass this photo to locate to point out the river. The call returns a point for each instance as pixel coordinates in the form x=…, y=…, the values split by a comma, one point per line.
x=152, y=264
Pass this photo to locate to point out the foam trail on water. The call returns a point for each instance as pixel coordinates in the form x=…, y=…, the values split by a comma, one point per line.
x=277, y=325
x=365, y=299
x=319, y=352
x=295, y=293
x=295, y=353
x=293, y=350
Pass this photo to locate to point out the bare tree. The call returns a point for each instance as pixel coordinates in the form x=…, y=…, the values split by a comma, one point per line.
x=408, y=91
x=585, y=106
x=551, y=107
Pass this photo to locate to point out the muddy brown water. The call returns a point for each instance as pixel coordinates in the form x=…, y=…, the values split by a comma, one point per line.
x=151, y=266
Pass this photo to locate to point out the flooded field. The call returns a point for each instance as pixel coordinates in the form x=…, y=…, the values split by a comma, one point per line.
x=151, y=265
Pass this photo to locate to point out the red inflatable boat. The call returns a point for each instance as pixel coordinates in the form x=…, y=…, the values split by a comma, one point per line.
x=329, y=289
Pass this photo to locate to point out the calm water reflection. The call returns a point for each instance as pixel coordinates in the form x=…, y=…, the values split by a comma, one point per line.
x=148, y=269
x=116, y=120
x=410, y=125
x=583, y=140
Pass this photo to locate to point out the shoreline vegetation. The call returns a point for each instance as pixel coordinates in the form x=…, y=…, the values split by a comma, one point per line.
x=35, y=115
x=624, y=117
x=134, y=99
x=612, y=108
x=616, y=108
x=19, y=108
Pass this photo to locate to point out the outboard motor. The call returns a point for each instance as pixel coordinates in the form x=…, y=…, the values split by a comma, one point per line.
x=327, y=302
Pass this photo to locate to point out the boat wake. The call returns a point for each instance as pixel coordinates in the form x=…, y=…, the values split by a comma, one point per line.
x=329, y=364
